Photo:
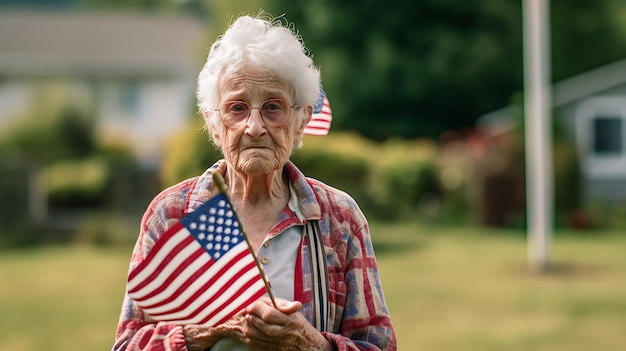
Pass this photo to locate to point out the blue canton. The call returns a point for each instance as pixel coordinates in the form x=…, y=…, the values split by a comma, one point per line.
x=214, y=226
x=319, y=103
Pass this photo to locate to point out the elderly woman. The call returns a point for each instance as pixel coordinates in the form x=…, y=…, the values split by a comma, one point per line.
x=256, y=93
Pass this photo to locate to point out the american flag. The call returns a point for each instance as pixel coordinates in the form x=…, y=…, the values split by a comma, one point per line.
x=200, y=271
x=322, y=117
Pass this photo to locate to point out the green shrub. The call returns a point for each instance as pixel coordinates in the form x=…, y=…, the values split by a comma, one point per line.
x=406, y=185
x=77, y=182
x=405, y=179
x=107, y=229
x=347, y=173
x=344, y=161
x=59, y=136
x=63, y=133
x=603, y=215
x=567, y=177
x=188, y=154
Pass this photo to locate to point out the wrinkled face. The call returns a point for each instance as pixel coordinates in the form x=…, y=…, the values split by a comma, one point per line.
x=255, y=146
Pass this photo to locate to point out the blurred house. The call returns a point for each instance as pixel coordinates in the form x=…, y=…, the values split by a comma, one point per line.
x=137, y=72
x=591, y=108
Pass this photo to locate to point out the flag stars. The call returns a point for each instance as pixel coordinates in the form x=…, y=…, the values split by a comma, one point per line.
x=215, y=228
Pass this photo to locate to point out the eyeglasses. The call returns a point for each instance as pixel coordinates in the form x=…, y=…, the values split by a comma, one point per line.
x=275, y=112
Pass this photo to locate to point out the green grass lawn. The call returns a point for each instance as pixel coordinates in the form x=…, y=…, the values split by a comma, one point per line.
x=461, y=289
x=471, y=290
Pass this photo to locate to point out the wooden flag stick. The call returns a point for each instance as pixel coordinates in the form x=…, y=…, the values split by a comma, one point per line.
x=221, y=186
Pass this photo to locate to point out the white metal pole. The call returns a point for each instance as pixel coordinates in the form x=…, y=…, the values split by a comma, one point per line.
x=537, y=103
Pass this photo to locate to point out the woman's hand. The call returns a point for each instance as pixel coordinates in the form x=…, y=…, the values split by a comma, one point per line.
x=280, y=329
x=200, y=338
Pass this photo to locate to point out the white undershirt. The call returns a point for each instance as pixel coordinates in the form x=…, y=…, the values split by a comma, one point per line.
x=278, y=257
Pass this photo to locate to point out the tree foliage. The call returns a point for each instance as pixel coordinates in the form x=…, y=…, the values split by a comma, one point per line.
x=417, y=68
x=586, y=34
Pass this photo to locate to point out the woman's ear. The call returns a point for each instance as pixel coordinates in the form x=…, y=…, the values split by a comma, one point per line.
x=303, y=123
x=306, y=119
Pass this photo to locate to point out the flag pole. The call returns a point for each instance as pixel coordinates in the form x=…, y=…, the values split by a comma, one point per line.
x=221, y=186
x=538, y=104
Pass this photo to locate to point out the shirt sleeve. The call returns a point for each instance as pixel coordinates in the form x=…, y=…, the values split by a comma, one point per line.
x=358, y=314
x=365, y=323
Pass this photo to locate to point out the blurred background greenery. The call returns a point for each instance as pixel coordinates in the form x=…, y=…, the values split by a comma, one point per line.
x=97, y=115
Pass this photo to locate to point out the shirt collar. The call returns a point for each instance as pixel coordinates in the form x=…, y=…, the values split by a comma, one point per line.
x=303, y=200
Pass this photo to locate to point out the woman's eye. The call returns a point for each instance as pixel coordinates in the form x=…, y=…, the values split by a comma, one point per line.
x=272, y=106
x=237, y=107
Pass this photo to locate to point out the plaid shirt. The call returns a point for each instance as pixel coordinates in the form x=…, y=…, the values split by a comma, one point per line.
x=358, y=318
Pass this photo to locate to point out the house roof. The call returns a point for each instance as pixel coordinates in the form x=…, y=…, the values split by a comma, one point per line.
x=574, y=88
x=57, y=42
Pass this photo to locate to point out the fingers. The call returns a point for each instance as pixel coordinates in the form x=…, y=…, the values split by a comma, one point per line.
x=266, y=313
x=265, y=310
x=259, y=325
x=288, y=307
x=296, y=333
x=200, y=337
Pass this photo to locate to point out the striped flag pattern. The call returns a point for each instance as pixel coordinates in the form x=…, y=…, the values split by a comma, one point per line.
x=200, y=271
x=322, y=117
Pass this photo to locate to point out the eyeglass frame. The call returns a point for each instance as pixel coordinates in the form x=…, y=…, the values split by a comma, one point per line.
x=250, y=108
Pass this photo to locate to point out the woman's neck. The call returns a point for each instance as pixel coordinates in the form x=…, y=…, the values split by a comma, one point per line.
x=259, y=200
x=257, y=190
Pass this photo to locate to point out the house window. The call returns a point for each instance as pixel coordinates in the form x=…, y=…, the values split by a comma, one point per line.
x=607, y=135
x=119, y=100
x=129, y=98
x=601, y=136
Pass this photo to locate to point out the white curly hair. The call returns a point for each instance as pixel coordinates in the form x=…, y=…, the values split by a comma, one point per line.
x=269, y=44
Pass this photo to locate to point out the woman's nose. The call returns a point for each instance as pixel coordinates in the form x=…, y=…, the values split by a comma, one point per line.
x=255, y=125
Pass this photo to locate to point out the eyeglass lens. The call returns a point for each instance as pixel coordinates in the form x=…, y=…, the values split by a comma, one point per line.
x=275, y=112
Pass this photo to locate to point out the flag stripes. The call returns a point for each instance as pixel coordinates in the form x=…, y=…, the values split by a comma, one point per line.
x=180, y=282
x=321, y=120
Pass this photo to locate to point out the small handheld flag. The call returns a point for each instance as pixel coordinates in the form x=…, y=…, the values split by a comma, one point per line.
x=200, y=271
x=322, y=117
